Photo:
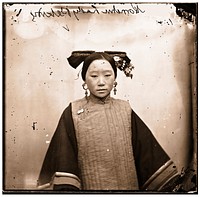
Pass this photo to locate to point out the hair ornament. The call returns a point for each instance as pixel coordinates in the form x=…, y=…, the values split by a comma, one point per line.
x=123, y=65
x=77, y=57
x=121, y=60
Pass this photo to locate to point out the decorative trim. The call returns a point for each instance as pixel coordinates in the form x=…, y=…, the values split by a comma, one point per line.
x=61, y=178
x=66, y=174
x=46, y=186
x=161, y=176
x=66, y=178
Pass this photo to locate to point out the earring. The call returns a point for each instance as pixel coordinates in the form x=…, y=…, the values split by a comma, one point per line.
x=85, y=88
x=115, y=89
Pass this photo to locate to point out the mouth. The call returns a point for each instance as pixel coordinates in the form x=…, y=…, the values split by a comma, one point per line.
x=101, y=90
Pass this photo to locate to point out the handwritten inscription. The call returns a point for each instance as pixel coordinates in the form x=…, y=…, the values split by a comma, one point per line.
x=65, y=11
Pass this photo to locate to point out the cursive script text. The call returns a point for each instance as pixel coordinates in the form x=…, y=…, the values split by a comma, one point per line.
x=65, y=11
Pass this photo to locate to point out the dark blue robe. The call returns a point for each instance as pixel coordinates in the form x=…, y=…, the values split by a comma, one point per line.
x=155, y=170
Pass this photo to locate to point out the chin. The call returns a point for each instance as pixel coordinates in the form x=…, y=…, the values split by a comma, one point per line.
x=102, y=96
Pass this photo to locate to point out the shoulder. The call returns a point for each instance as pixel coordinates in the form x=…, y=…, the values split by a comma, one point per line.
x=122, y=102
x=78, y=104
x=79, y=101
x=122, y=105
x=66, y=112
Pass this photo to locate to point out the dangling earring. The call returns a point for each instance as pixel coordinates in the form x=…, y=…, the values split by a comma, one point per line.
x=85, y=88
x=115, y=89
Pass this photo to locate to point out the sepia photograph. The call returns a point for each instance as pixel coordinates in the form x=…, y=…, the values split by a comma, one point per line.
x=100, y=97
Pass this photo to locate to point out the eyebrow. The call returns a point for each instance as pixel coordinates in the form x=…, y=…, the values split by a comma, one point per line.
x=92, y=71
x=107, y=70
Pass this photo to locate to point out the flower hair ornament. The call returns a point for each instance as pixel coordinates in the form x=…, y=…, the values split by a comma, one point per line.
x=121, y=60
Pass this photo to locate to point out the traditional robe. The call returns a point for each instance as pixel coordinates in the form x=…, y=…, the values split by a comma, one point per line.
x=139, y=162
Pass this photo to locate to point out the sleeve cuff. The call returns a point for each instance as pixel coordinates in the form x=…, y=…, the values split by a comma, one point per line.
x=163, y=175
x=61, y=178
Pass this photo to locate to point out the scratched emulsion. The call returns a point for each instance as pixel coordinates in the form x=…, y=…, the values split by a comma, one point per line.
x=158, y=38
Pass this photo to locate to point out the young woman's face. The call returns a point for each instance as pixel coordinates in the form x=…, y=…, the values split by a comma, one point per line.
x=100, y=78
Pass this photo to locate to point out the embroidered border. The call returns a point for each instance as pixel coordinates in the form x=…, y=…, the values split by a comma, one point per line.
x=161, y=176
x=62, y=178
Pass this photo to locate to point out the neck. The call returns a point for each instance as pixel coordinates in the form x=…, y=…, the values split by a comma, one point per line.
x=98, y=99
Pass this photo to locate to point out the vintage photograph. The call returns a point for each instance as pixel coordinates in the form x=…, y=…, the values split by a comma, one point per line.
x=100, y=97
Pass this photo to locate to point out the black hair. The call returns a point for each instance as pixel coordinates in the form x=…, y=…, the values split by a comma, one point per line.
x=97, y=56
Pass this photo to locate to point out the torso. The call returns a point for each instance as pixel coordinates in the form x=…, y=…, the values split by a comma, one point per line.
x=103, y=132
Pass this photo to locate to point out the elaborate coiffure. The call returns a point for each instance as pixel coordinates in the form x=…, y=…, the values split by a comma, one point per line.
x=115, y=58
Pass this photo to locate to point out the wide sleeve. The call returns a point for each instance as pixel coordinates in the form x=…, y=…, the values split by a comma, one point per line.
x=60, y=165
x=155, y=169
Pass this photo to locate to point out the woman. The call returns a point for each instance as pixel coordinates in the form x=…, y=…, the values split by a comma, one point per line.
x=100, y=143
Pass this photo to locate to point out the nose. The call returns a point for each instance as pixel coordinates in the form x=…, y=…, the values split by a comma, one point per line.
x=101, y=81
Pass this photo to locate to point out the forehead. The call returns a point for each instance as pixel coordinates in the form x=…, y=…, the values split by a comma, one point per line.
x=100, y=65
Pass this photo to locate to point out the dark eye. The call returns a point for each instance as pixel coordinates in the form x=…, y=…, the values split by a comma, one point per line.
x=93, y=76
x=108, y=75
